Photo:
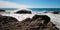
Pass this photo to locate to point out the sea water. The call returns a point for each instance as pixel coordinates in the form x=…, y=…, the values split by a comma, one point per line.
x=34, y=10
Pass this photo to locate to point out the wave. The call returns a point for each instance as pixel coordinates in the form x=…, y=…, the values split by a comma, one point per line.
x=33, y=11
x=55, y=18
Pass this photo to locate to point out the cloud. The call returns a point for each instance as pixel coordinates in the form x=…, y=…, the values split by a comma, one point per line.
x=6, y=4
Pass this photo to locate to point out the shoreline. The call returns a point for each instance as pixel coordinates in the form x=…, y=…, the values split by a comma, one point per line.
x=20, y=17
x=25, y=18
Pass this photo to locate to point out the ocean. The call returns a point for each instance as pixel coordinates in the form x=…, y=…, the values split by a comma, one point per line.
x=36, y=9
x=45, y=9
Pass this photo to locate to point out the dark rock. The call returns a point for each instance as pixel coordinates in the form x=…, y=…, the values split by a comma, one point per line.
x=1, y=10
x=42, y=17
x=55, y=12
x=24, y=12
x=30, y=24
x=7, y=19
x=36, y=23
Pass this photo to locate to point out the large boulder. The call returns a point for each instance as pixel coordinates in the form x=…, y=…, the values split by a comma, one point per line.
x=45, y=18
x=7, y=19
x=24, y=12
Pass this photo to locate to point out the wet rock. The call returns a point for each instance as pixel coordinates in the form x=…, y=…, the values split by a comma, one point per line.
x=7, y=19
x=36, y=23
x=55, y=12
x=24, y=12
x=45, y=18
x=1, y=10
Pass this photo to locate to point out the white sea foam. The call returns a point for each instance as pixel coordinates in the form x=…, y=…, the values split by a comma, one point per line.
x=20, y=17
x=55, y=18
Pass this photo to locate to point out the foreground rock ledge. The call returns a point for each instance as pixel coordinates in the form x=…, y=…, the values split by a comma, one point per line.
x=38, y=22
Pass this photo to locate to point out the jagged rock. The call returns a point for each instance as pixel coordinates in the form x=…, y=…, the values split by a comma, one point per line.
x=7, y=19
x=24, y=12
x=31, y=24
x=45, y=18
x=37, y=23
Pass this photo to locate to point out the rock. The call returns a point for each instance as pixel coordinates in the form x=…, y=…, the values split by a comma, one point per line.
x=55, y=12
x=42, y=17
x=36, y=23
x=7, y=19
x=2, y=10
x=24, y=12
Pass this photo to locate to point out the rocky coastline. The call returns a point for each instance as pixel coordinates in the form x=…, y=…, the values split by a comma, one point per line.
x=37, y=22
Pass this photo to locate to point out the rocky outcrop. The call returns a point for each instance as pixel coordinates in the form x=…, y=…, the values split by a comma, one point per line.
x=7, y=19
x=38, y=22
x=2, y=10
x=45, y=18
x=55, y=12
x=24, y=12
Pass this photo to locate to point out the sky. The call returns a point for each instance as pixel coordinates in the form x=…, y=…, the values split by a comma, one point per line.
x=30, y=3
